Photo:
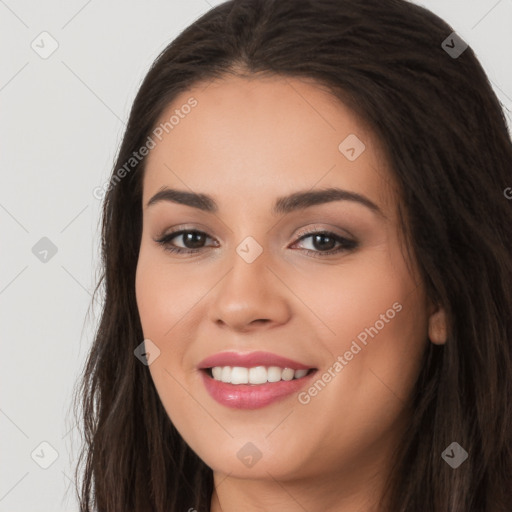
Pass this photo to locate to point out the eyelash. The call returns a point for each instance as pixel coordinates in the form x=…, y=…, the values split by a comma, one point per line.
x=346, y=244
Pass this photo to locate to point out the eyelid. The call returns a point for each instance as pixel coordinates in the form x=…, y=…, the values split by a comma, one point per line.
x=184, y=227
x=315, y=228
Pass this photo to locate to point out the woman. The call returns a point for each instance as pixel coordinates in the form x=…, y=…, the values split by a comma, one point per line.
x=240, y=363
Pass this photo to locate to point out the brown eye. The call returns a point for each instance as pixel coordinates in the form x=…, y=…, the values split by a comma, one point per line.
x=192, y=240
x=323, y=243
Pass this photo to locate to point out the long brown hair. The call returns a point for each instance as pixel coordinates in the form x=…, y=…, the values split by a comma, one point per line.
x=446, y=137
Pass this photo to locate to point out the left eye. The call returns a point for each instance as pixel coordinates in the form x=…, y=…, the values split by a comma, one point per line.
x=319, y=239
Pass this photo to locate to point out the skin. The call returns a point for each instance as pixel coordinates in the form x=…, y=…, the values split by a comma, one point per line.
x=247, y=142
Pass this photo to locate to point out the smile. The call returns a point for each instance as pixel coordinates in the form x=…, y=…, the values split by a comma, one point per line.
x=253, y=388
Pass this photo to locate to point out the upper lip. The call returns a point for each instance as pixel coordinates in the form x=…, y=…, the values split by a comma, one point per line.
x=250, y=360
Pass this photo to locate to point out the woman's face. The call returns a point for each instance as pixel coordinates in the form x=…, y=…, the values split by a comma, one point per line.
x=344, y=303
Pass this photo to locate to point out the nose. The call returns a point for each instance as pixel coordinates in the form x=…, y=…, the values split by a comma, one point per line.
x=250, y=296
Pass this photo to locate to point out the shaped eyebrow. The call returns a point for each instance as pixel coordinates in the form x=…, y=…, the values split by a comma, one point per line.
x=283, y=205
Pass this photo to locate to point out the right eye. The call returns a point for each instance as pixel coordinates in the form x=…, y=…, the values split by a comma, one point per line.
x=190, y=236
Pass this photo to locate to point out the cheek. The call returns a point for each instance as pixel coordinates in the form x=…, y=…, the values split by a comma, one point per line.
x=164, y=297
x=380, y=345
x=392, y=344
x=362, y=394
x=369, y=288
x=164, y=294
x=169, y=304
x=377, y=317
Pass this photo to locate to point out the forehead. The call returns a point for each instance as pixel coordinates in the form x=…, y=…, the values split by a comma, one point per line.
x=251, y=137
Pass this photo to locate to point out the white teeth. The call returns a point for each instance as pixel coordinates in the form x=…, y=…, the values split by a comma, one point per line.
x=239, y=375
x=288, y=374
x=226, y=374
x=274, y=374
x=255, y=375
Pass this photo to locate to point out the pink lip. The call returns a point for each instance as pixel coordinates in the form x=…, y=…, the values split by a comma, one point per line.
x=252, y=396
x=250, y=360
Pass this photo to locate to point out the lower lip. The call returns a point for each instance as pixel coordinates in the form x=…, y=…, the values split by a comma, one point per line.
x=252, y=396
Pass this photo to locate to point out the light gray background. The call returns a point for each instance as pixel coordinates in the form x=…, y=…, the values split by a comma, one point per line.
x=61, y=121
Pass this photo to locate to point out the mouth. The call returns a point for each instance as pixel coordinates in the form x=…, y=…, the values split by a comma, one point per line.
x=256, y=387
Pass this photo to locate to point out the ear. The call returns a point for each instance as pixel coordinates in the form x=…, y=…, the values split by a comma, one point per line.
x=437, y=328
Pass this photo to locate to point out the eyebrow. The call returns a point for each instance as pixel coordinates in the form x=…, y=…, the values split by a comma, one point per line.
x=283, y=205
